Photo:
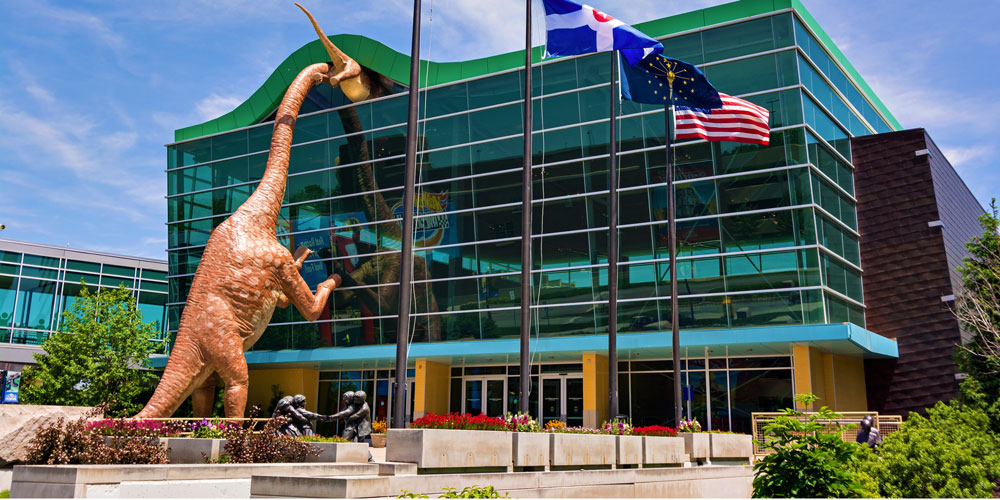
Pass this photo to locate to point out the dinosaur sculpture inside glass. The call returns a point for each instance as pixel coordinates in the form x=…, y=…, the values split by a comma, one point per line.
x=245, y=273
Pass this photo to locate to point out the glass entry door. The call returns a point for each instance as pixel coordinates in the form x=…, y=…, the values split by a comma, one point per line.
x=562, y=399
x=485, y=395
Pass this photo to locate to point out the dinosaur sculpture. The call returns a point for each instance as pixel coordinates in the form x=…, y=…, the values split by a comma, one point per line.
x=245, y=272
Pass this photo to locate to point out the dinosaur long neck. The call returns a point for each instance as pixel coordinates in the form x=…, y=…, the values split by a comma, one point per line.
x=264, y=205
x=375, y=205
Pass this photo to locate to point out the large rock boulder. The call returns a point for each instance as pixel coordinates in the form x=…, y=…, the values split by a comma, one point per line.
x=20, y=423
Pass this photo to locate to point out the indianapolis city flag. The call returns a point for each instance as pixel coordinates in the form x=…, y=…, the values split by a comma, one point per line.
x=736, y=121
x=572, y=29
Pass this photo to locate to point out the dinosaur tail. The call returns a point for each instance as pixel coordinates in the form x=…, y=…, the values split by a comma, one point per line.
x=185, y=371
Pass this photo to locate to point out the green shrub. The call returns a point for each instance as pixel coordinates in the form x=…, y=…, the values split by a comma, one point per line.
x=951, y=453
x=474, y=491
x=805, y=463
x=322, y=439
x=5, y=494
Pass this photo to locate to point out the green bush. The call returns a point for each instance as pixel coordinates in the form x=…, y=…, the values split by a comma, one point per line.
x=951, y=453
x=804, y=462
x=5, y=494
x=474, y=491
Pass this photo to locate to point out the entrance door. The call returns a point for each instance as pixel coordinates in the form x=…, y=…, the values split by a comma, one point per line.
x=485, y=395
x=562, y=399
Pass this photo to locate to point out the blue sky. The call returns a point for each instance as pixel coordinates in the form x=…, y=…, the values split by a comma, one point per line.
x=90, y=91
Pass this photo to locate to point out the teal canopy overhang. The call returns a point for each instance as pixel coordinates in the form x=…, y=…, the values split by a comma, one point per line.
x=845, y=339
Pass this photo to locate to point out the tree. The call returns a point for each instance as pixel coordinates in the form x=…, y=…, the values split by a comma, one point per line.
x=949, y=454
x=100, y=355
x=978, y=310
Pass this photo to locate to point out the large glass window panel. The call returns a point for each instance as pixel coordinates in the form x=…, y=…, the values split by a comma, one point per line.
x=652, y=398
x=762, y=271
x=568, y=286
x=757, y=391
x=685, y=47
x=753, y=192
x=8, y=295
x=738, y=39
x=556, y=321
x=761, y=309
x=718, y=390
x=153, y=307
x=767, y=230
x=192, y=152
x=786, y=148
x=495, y=89
x=35, y=300
x=231, y=144
x=754, y=74
x=693, y=161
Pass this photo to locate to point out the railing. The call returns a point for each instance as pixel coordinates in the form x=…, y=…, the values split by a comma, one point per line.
x=886, y=424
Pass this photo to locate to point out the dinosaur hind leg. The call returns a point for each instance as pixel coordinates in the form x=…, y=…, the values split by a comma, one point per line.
x=232, y=369
x=203, y=398
x=185, y=371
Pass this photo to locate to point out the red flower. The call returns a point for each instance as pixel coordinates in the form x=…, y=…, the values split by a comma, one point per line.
x=462, y=421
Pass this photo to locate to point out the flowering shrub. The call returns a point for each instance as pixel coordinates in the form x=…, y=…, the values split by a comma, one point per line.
x=462, y=421
x=689, y=425
x=577, y=430
x=321, y=439
x=214, y=429
x=654, y=430
x=554, y=425
x=128, y=427
x=72, y=442
x=618, y=427
x=379, y=427
x=522, y=422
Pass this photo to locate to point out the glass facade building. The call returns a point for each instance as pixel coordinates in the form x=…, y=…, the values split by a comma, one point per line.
x=39, y=282
x=767, y=235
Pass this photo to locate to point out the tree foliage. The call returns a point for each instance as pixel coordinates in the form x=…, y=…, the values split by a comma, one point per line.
x=978, y=310
x=951, y=453
x=806, y=462
x=100, y=355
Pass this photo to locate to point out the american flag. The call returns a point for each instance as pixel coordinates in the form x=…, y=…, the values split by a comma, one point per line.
x=737, y=121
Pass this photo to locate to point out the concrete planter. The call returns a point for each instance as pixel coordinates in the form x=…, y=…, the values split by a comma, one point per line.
x=190, y=450
x=697, y=444
x=530, y=449
x=378, y=440
x=586, y=450
x=731, y=447
x=339, y=452
x=663, y=450
x=629, y=450
x=449, y=448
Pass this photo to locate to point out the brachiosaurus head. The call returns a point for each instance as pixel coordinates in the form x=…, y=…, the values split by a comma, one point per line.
x=352, y=78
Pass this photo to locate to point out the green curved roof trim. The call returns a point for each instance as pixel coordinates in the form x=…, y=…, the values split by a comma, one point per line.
x=380, y=58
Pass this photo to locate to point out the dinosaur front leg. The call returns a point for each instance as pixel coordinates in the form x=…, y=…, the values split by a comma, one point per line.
x=301, y=254
x=297, y=290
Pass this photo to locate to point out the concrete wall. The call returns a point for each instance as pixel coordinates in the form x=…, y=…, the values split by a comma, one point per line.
x=430, y=388
x=290, y=381
x=595, y=389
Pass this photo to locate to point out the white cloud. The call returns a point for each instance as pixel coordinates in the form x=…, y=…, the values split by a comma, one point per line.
x=216, y=105
x=960, y=156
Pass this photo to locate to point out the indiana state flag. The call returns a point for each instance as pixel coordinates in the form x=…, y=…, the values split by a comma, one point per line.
x=572, y=29
x=662, y=80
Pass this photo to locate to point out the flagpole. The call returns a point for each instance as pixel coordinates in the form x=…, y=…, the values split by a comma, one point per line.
x=613, y=245
x=672, y=234
x=526, y=221
x=406, y=252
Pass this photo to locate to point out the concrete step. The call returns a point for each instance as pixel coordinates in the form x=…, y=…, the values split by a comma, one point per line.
x=707, y=481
